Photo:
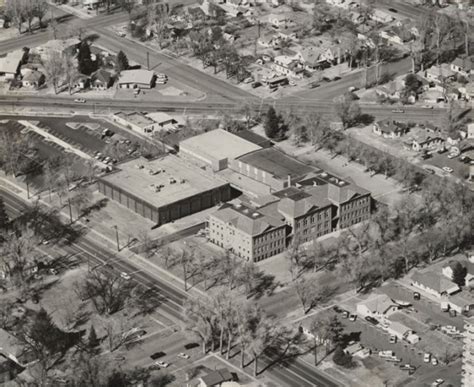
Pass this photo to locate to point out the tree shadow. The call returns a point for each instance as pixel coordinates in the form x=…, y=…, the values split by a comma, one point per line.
x=265, y=285
x=96, y=207
x=147, y=302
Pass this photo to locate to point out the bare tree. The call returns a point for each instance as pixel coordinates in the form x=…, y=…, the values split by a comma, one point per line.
x=40, y=10
x=107, y=291
x=199, y=320
x=310, y=293
x=29, y=12
x=70, y=71
x=81, y=200
x=54, y=69
x=15, y=9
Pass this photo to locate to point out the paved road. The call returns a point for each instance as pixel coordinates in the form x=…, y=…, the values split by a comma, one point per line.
x=297, y=374
x=56, y=104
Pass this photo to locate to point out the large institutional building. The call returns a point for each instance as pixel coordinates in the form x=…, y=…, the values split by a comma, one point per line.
x=281, y=197
x=468, y=354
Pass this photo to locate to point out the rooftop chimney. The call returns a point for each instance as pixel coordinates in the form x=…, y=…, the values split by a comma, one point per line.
x=289, y=181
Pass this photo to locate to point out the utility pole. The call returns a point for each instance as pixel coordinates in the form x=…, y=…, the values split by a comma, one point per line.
x=117, y=237
x=148, y=60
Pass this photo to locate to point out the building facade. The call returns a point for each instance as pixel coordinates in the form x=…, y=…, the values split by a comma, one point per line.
x=468, y=354
x=246, y=232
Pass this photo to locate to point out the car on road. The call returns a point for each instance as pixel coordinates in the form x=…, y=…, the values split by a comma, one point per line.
x=372, y=320
x=428, y=106
x=162, y=364
x=121, y=34
x=191, y=345
x=352, y=317
x=398, y=111
x=183, y=355
x=157, y=355
x=125, y=276
x=393, y=10
x=248, y=80
x=448, y=169
x=437, y=382
x=427, y=357
x=336, y=78
x=161, y=76
x=80, y=100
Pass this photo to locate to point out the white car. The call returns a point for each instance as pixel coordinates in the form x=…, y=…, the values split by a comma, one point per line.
x=80, y=100
x=448, y=170
x=161, y=81
x=121, y=34
x=434, y=361
x=452, y=155
x=162, y=364
x=183, y=355
x=437, y=382
x=125, y=276
x=426, y=357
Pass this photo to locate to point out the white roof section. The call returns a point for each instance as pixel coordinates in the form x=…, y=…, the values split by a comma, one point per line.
x=9, y=64
x=219, y=144
x=136, y=76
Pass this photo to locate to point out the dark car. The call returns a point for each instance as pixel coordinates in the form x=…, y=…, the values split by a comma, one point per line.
x=157, y=355
x=393, y=10
x=337, y=309
x=372, y=320
x=191, y=345
x=314, y=85
x=256, y=84
x=416, y=295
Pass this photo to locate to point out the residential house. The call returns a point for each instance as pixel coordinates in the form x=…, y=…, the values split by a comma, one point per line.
x=279, y=20
x=381, y=16
x=467, y=264
x=165, y=121
x=10, y=64
x=425, y=138
x=82, y=82
x=133, y=79
x=266, y=40
x=288, y=33
x=380, y=306
x=101, y=80
x=216, y=378
x=402, y=332
x=434, y=283
x=438, y=73
x=288, y=65
x=33, y=79
x=461, y=302
x=463, y=65
x=389, y=128
x=247, y=232
x=315, y=58
x=470, y=131
x=391, y=37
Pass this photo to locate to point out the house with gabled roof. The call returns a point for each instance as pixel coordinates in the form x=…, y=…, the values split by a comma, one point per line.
x=380, y=306
x=463, y=65
x=10, y=64
x=33, y=79
x=139, y=78
x=389, y=128
x=215, y=378
x=101, y=80
x=434, y=283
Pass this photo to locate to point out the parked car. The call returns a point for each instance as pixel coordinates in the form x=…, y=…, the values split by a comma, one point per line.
x=427, y=357
x=345, y=314
x=183, y=355
x=314, y=85
x=337, y=309
x=393, y=339
x=80, y=100
x=121, y=34
x=248, y=80
x=434, y=361
x=437, y=382
x=448, y=169
x=398, y=111
x=452, y=155
x=191, y=345
x=125, y=276
x=407, y=367
x=416, y=295
x=256, y=84
x=352, y=317
x=372, y=320
x=157, y=355
x=162, y=364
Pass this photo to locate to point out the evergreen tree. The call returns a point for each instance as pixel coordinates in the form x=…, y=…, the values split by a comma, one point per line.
x=122, y=62
x=341, y=358
x=459, y=274
x=93, y=341
x=272, y=123
x=4, y=220
x=86, y=65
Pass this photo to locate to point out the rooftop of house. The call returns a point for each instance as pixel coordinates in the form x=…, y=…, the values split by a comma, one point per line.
x=466, y=63
x=33, y=76
x=217, y=377
x=219, y=144
x=10, y=62
x=276, y=163
x=101, y=75
x=434, y=281
x=142, y=179
x=247, y=219
x=136, y=118
x=389, y=126
x=9, y=344
x=141, y=76
x=378, y=304
x=440, y=71
x=162, y=117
